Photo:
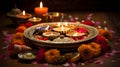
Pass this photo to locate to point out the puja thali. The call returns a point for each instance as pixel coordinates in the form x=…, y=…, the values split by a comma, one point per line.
x=59, y=35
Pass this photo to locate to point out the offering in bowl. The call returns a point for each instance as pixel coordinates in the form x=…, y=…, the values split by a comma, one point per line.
x=61, y=29
x=51, y=35
x=75, y=34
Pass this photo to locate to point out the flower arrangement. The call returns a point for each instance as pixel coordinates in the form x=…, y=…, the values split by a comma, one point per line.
x=86, y=51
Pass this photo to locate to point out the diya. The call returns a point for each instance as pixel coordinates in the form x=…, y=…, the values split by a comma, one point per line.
x=75, y=34
x=51, y=34
x=34, y=20
x=61, y=29
x=23, y=15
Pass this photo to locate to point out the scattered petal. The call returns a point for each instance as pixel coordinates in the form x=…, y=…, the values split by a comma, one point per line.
x=106, y=56
x=5, y=47
x=82, y=64
x=45, y=65
x=66, y=64
x=118, y=52
x=98, y=62
x=113, y=61
x=34, y=62
x=97, y=23
x=74, y=65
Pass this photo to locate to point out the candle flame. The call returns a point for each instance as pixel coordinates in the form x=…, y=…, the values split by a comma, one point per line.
x=51, y=34
x=62, y=27
x=75, y=34
x=41, y=5
x=58, y=24
x=47, y=27
x=23, y=12
x=34, y=18
x=66, y=24
x=57, y=14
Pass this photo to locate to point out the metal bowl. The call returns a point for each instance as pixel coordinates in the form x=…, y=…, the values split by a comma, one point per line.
x=30, y=39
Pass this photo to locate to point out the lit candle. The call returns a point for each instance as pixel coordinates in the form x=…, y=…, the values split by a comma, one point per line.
x=75, y=34
x=34, y=20
x=23, y=15
x=41, y=10
x=66, y=24
x=61, y=29
x=51, y=35
x=59, y=24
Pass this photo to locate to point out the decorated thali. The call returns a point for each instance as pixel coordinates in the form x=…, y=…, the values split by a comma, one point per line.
x=60, y=35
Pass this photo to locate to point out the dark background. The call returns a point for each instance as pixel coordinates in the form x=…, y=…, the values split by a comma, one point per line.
x=61, y=5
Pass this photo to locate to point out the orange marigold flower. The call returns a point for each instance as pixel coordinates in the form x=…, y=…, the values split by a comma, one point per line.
x=86, y=51
x=96, y=47
x=21, y=29
x=18, y=42
x=17, y=36
x=106, y=33
x=52, y=55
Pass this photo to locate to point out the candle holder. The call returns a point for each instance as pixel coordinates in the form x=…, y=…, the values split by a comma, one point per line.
x=55, y=16
x=51, y=35
x=75, y=34
x=62, y=29
x=23, y=17
x=12, y=15
x=34, y=20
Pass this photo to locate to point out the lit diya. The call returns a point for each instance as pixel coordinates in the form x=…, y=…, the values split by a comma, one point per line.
x=51, y=34
x=23, y=15
x=61, y=29
x=34, y=20
x=75, y=34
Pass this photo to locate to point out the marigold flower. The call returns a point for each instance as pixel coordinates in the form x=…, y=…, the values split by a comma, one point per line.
x=52, y=55
x=96, y=47
x=21, y=29
x=86, y=51
x=106, y=33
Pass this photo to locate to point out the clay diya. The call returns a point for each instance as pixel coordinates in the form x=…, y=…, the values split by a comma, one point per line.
x=51, y=34
x=75, y=34
x=34, y=20
x=61, y=29
x=23, y=15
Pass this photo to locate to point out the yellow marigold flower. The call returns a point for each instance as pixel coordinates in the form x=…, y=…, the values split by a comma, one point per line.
x=106, y=33
x=52, y=55
x=86, y=51
x=96, y=47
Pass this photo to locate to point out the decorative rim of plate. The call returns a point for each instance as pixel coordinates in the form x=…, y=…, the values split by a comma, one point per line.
x=28, y=33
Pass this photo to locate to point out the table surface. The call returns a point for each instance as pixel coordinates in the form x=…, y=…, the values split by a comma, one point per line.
x=111, y=18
